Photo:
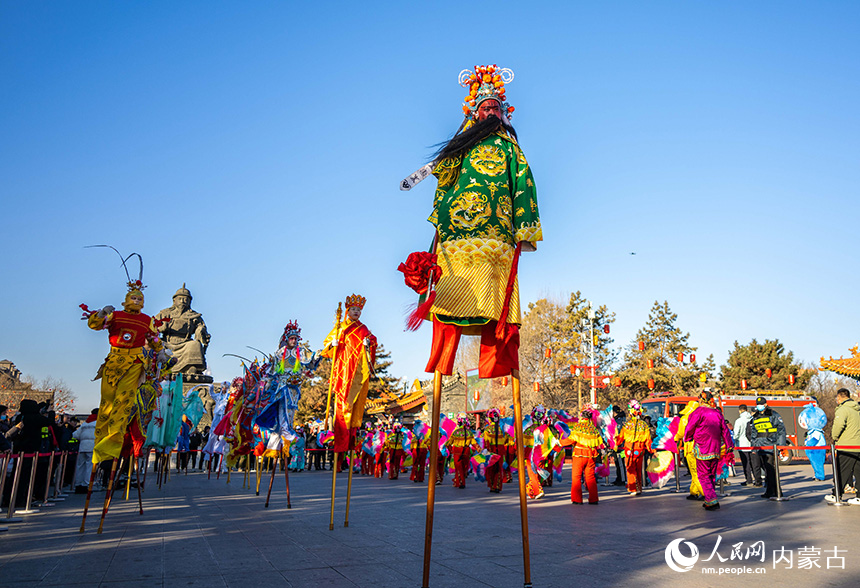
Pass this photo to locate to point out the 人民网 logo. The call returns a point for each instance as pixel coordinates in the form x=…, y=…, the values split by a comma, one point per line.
x=678, y=561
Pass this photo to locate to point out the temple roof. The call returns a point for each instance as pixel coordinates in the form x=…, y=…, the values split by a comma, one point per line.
x=844, y=366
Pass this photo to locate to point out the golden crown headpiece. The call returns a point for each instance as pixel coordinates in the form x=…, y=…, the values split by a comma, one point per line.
x=486, y=82
x=135, y=286
x=355, y=300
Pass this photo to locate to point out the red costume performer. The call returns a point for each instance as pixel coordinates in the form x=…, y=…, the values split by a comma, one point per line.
x=586, y=442
x=367, y=456
x=461, y=444
x=380, y=455
x=495, y=441
x=635, y=437
x=352, y=348
x=420, y=447
x=394, y=446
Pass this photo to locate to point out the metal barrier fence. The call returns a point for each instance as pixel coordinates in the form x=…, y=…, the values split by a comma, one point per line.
x=54, y=481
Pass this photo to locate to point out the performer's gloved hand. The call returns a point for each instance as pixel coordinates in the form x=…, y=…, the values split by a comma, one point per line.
x=333, y=343
x=105, y=311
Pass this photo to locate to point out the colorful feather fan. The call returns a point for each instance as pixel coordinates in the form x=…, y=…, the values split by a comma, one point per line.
x=605, y=421
x=667, y=430
x=661, y=468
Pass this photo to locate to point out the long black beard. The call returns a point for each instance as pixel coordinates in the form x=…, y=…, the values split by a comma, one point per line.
x=462, y=142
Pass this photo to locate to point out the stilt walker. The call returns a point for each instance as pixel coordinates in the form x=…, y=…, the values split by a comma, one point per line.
x=352, y=348
x=287, y=372
x=485, y=213
x=134, y=347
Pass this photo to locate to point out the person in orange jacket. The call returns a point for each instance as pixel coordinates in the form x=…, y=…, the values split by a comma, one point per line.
x=586, y=443
x=635, y=437
x=495, y=441
x=462, y=444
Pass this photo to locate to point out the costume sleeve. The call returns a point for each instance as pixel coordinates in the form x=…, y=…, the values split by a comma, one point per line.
x=97, y=323
x=526, y=219
x=727, y=436
x=371, y=348
x=327, y=350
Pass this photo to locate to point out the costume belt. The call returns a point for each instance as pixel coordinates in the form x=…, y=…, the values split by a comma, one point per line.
x=126, y=351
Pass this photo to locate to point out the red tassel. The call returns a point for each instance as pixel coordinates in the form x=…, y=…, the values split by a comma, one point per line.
x=509, y=290
x=416, y=317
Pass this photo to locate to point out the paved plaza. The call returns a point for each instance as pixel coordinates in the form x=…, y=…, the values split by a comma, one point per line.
x=199, y=532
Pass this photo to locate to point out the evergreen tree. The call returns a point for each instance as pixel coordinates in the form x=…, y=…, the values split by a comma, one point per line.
x=750, y=362
x=663, y=342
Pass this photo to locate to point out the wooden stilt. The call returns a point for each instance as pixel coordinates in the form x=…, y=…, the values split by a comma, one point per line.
x=139, y=497
x=220, y=466
x=109, y=494
x=246, y=482
x=145, y=469
x=209, y=468
x=286, y=479
x=271, y=483
x=130, y=472
x=259, y=473
x=333, y=480
x=89, y=495
x=521, y=476
x=348, y=488
x=431, y=483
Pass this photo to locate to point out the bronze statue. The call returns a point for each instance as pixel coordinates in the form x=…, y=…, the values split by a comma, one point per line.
x=185, y=335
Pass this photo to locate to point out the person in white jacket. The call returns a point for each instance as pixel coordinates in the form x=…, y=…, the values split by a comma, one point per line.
x=742, y=440
x=86, y=436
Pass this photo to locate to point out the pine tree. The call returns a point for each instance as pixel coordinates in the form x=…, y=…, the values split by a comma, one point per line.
x=663, y=342
x=750, y=362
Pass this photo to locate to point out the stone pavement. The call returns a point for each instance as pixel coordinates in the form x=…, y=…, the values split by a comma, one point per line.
x=199, y=532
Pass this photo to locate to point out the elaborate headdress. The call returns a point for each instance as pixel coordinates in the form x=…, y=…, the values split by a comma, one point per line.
x=493, y=413
x=634, y=408
x=486, y=82
x=355, y=300
x=291, y=330
x=707, y=399
x=538, y=410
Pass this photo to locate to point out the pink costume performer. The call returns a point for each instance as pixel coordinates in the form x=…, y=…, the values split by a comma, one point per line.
x=708, y=431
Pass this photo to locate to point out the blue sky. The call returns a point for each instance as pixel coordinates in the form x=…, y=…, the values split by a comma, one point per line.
x=253, y=151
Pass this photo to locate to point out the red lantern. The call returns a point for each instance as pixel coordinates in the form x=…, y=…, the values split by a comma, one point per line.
x=768, y=372
x=547, y=353
x=606, y=329
x=650, y=383
x=692, y=358
x=504, y=381
x=537, y=386
x=744, y=384
x=641, y=345
x=617, y=382
x=680, y=357
x=573, y=370
x=650, y=364
x=791, y=379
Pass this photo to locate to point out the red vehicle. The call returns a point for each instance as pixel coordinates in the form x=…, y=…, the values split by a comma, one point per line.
x=787, y=403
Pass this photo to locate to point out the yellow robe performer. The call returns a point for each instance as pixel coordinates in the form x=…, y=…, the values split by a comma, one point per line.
x=122, y=373
x=352, y=348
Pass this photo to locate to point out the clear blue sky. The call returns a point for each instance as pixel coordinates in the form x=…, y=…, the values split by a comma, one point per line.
x=253, y=151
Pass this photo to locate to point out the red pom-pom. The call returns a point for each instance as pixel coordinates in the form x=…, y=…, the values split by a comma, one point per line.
x=420, y=270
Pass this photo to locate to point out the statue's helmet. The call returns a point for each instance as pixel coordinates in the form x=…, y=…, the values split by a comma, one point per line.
x=183, y=291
